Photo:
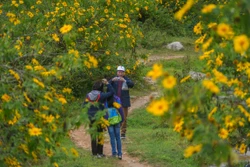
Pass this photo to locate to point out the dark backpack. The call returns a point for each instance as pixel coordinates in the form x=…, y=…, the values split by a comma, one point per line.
x=93, y=109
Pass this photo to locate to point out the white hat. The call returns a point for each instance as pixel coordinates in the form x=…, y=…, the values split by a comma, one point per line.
x=120, y=68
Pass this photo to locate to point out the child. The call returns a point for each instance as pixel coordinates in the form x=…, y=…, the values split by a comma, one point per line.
x=114, y=130
x=98, y=96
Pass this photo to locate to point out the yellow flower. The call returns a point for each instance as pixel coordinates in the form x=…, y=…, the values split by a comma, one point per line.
x=67, y=90
x=210, y=86
x=206, y=54
x=62, y=100
x=156, y=72
x=55, y=37
x=93, y=60
x=35, y=131
x=117, y=105
x=210, y=118
x=192, y=150
x=101, y=138
x=12, y=161
x=48, y=96
x=30, y=14
x=34, y=155
x=106, y=10
x=66, y=28
x=28, y=67
x=24, y=148
x=185, y=79
x=123, y=25
x=49, y=152
x=207, y=44
x=242, y=148
x=158, y=107
x=241, y=44
x=35, y=62
x=220, y=77
x=6, y=97
x=212, y=25
x=55, y=164
x=74, y=152
x=248, y=102
x=178, y=125
x=223, y=133
x=38, y=82
x=169, y=82
x=107, y=52
x=108, y=67
x=218, y=60
x=26, y=97
x=49, y=118
x=47, y=140
x=239, y=93
x=198, y=28
x=208, y=8
x=39, y=68
x=178, y=15
x=201, y=39
x=189, y=134
x=224, y=30
x=16, y=76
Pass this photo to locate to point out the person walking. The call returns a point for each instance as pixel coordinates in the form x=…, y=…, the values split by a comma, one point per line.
x=121, y=84
x=96, y=99
x=116, y=117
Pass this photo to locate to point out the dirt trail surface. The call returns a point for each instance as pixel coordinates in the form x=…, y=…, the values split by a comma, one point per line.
x=162, y=57
x=82, y=139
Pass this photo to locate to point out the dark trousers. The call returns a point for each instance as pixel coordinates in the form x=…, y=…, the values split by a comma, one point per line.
x=96, y=144
x=124, y=123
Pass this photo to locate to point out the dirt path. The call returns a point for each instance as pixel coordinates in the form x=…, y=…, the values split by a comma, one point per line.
x=82, y=139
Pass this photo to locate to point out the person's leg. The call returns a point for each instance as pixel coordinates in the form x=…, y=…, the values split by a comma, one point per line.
x=111, y=130
x=124, y=124
x=100, y=141
x=118, y=139
x=93, y=141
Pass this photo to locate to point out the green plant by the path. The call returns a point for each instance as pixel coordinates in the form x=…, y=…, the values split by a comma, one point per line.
x=155, y=142
x=214, y=114
x=65, y=157
x=49, y=51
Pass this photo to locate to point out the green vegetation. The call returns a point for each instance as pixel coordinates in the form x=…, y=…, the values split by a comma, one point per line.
x=52, y=52
x=65, y=157
x=153, y=141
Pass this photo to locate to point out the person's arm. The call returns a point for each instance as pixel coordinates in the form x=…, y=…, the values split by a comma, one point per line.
x=129, y=82
x=110, y=92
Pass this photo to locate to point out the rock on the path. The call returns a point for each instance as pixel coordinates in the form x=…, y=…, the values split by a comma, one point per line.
x=197, y=75
x=176, y=46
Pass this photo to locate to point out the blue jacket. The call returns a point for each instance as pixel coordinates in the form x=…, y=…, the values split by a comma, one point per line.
x=100, y=97
x=123, y=94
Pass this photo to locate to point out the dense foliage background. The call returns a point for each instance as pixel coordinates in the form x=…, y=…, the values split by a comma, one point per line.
x=52, y=52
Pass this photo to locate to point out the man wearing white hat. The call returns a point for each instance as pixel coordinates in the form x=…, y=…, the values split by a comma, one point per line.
x=121, y=84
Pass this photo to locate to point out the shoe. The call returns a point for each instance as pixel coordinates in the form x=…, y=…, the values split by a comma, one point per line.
x=101, y=155
x=123, y=136
x=119, y=157
x=96, y=156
